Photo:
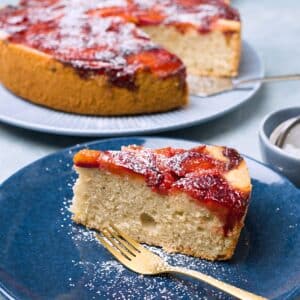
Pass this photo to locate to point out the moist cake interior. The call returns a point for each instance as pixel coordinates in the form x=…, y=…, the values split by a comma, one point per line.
x=192, y=202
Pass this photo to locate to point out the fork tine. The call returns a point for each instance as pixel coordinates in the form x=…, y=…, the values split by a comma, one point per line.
x=128, y=239
x=112, y=250
x=121, y=249
x=125, y=244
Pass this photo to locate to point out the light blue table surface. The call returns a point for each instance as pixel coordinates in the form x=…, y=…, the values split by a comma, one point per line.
x=272, y=27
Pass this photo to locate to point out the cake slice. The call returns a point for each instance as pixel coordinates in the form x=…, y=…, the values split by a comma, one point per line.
x=188, y=201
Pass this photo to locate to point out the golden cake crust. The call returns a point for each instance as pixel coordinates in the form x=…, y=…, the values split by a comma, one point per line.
x=237, y=177
x=66, y=62
x=43, y=80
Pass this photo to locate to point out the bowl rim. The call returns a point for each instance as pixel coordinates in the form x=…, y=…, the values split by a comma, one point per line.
x=265, y=139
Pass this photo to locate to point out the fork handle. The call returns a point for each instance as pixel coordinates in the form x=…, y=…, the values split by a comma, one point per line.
x=228, y=288
x=268, y=79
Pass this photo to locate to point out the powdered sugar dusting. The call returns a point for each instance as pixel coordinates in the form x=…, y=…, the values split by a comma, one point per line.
x=74, y=33
x=101, y=276
x=94, y=273
x=169, y=170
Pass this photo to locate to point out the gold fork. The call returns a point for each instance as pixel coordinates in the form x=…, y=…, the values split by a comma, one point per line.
x=140, y=260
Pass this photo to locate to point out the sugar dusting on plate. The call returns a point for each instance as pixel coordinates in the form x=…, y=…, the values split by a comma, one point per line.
x=102, y=276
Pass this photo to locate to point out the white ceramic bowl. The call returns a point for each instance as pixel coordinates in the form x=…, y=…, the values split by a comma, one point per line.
x=285, y=162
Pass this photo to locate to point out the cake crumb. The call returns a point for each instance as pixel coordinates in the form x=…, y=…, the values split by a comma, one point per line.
x=103, y=277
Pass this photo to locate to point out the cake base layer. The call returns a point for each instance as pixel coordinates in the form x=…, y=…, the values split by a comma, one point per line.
x=43, y=80
x=175, y=222
x=215, y=53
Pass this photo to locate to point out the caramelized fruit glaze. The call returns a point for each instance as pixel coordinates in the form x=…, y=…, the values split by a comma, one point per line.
x=169, y=170
x=100, y=37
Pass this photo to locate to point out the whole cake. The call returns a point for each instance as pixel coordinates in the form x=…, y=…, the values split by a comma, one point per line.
x=189, y=201
x=115, y=57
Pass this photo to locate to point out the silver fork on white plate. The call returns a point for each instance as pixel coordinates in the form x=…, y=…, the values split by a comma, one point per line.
x=211, y=86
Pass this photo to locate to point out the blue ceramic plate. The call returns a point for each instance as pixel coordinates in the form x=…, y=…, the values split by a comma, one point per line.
x=21, y=113
x=44, y=255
